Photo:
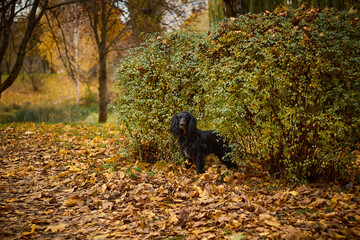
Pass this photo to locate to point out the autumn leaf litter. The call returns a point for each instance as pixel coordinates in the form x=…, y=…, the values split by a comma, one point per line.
x=71, y=182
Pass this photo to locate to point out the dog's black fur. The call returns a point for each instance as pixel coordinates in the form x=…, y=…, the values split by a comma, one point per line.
x=195, y=144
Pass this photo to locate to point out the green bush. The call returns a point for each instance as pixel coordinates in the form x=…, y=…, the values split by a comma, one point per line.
x=283, y=86
x=287, y=89
x=156, y=81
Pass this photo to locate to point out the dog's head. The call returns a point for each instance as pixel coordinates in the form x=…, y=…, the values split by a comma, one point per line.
x=183, y=123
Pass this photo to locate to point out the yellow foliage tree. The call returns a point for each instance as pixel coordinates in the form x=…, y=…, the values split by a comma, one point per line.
x=68, y=45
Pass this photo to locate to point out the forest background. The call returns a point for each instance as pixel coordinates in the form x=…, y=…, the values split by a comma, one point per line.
x=58, y=57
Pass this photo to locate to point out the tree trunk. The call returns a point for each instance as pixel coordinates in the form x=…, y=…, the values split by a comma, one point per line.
x=103, y=89
x=76, y=34
x=232, y=8
x=102, y=49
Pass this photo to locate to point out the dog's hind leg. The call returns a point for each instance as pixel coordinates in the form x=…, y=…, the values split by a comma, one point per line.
x=227, y=161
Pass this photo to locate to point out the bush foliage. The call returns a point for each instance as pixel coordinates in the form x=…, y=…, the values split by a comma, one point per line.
x=156, y=81
x=283, y=86
x=289, y=82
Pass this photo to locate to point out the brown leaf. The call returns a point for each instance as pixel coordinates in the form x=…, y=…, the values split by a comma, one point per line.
x=284, y=14
x=305, y=201
x=183, y=217
x=56, y=228
x=318, y=203
x=72, y=201
x=355, y=21
x=107, y=205
x=273, y=222
x=330, y=215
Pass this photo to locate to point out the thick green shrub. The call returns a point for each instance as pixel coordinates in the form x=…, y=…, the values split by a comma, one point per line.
x=283, y=86
x=156, y=81
x=287, y=89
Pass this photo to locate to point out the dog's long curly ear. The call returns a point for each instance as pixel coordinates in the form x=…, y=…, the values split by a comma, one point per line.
x=174, y=126
x=191, y=129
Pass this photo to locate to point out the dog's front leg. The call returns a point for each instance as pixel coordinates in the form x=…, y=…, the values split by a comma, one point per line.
x=187, y=159
x=200, y=163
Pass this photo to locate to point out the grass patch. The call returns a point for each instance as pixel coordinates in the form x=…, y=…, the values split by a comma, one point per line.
x=54, y=102
x=46, y=113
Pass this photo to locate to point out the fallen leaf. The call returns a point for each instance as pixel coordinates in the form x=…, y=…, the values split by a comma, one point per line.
x=203, y=230
x=318, y=203
x=72, y=201
x=173, y=219
x=294, y=193
x=107, y=205
x=76, y=194
x=330, y=215
x=32, y=231
x=56, y=228
x=273, y=223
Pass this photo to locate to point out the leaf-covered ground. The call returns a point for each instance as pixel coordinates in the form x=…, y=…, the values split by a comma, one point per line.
x=71, y=182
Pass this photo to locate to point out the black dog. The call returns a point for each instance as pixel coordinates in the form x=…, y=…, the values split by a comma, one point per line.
x=195, y=144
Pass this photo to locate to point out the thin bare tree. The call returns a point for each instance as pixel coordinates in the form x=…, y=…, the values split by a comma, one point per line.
x=10, y=10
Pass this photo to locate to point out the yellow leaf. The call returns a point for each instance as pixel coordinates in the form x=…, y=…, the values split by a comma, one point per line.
x=62, y=174
x=264, y=233
x=33, y=228
x=75, y=169
x=11, y=200
x=62, y=151
x=103, y=188
x=173, y=218
x=294, y=193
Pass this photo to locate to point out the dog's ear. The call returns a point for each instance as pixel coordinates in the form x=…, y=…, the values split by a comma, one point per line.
x=174, y=126
x=191, y=129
